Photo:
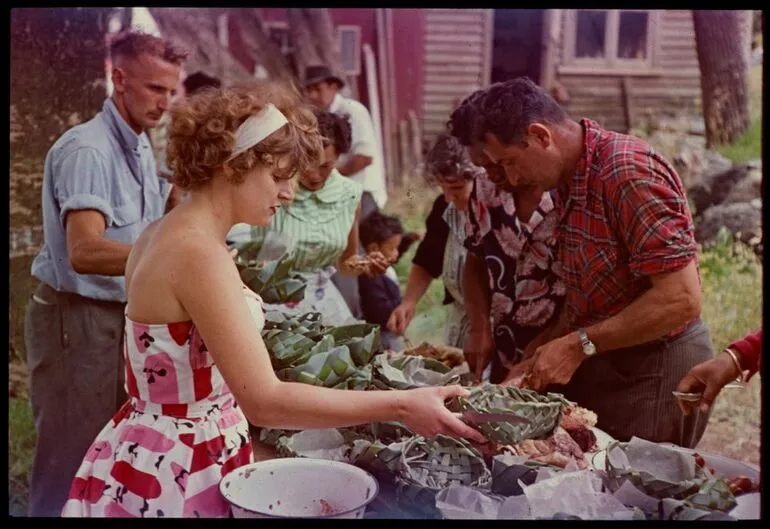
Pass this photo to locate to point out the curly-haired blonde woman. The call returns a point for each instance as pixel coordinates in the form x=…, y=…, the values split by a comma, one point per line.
x=197, y=371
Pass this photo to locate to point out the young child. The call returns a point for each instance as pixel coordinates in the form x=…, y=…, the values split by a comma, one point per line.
x=381, y=294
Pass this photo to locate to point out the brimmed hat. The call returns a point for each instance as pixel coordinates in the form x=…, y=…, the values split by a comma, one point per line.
x=316, y=74
x=199, y=81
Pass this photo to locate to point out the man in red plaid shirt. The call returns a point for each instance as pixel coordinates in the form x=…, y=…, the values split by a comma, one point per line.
x=631, y=326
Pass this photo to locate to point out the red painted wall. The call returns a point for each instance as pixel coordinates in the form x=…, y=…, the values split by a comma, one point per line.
x=408, y=55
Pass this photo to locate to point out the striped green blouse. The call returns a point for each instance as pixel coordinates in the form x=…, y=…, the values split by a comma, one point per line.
x=318, y=222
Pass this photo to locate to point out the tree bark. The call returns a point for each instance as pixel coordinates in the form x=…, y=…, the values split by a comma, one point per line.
x=196, y=29
x=327, y=44
x=259, y=46
x=723, y=59
x=305, y=53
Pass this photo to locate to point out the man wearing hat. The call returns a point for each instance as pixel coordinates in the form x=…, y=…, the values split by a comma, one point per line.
x=364, y=161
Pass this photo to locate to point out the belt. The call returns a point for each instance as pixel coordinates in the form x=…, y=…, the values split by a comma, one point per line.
x=193, y=411
x=665, y=340
x=47, y=295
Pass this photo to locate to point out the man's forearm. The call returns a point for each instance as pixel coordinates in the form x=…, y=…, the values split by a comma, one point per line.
x=652, y=315
x=476, y=292
x=356, y=163
x=100, y=256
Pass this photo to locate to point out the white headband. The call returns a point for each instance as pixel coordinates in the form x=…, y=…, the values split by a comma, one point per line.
x=257, y=128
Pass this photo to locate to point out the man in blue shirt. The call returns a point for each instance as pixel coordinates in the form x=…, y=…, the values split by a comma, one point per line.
x=100, y=190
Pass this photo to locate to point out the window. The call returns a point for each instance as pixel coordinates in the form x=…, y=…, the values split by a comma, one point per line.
x=349, y=38
x=602, y=39
x=279, y=33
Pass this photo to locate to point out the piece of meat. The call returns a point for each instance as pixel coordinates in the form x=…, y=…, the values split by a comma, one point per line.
x=554, y=458
x=565, y=444
x=326, y=509
x=527, y=447
x=580, y=415
x=585, y=438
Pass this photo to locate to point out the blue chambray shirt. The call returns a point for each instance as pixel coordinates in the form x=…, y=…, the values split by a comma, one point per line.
x=104, y=165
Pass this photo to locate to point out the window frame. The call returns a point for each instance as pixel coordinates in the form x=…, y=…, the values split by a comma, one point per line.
x=611, y=63
x=288, y=50
x=357, y=51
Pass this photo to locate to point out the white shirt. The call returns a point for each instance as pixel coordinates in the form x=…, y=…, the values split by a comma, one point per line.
x=371, y=177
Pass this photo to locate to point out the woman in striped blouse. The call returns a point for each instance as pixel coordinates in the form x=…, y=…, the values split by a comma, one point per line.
x=320, y=227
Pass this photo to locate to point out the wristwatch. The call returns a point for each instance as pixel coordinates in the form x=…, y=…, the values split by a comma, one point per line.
x=589, y=349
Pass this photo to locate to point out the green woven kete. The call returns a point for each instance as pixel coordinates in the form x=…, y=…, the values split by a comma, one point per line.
x=274, y=281
x=308, y=324
x=327, y=368
x=543, y=411
x=436, y=463
x=287, y=348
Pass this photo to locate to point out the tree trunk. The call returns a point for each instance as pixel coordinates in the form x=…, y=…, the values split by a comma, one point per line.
x=305, y=53
x=723, y=58
x=259, y=46
x=327, y=44
x=196, y=30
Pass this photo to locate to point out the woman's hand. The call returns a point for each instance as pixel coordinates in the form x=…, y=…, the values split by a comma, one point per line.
x=401, y=317
x=709, y=378
x=425, y=413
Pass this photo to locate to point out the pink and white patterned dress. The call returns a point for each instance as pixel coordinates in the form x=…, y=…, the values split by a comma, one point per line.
x=166, y=450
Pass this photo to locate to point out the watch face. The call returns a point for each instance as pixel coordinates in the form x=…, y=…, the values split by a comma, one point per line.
x=589, y=348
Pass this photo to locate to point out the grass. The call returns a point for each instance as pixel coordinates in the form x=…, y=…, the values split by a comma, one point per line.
x=412, y=207
x=748, y=146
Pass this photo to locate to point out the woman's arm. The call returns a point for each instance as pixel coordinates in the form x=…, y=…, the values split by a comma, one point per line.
x=352, y=247
x=211, y=292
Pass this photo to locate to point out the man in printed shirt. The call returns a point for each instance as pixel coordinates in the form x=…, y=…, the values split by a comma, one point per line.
x=100, y=190
x=508, y=277
x=632, y=325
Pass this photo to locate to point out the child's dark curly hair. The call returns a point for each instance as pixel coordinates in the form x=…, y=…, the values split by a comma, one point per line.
x=335, y=129
x=377, y=228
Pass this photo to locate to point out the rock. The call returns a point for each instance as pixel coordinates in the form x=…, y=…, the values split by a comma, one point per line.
x=695, y=164
x=698, y=127
x=665, y=142
x=743, y=220
x=713, y=189
x=746, y=190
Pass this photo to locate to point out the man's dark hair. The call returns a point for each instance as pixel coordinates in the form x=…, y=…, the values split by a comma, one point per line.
x=463, y=120
x=378, y=228
x=448, y=160
x=335, y=129
x=198, y=81
x=507, y=109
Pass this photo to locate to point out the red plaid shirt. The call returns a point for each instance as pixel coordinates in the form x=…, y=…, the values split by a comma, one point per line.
x=626, y=218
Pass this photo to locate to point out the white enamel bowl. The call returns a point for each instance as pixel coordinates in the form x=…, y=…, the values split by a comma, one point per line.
x=298, y=488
